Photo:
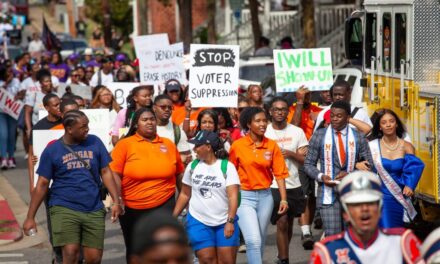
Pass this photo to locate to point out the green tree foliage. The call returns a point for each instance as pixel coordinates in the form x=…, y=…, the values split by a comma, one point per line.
x=120, y=12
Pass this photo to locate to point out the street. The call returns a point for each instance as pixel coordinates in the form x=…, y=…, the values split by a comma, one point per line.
x=114, y=251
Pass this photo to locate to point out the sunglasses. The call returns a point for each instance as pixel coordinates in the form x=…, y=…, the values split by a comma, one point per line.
x=75, y=75
x=166, y=107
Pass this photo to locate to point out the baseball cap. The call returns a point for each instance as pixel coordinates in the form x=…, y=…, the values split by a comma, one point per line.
x=360, y=187
x=172, y=85
x=206, y=137
x=88, y=51
x=430, y=248
x=120, y=57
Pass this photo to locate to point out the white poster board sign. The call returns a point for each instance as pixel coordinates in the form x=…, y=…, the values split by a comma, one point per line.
x=98, y=120
x=121, y=90
x=160, y=64
x=297, y=67
x=150, y=41
x=213, y=76
x=84, y=91
x=8, y=104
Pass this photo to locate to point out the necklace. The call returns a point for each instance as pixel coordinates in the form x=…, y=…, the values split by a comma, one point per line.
x=391, y=148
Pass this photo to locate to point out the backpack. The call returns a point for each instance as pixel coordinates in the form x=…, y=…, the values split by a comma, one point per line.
x=177, y=136
x=224, y=168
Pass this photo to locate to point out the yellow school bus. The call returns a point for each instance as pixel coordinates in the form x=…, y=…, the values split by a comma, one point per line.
x=397, y=44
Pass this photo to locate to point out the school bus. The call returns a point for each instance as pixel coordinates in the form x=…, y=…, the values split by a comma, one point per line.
x=397, y=45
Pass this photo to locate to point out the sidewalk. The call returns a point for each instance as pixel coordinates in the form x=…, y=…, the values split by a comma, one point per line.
x=16, y=208
x=36, y=17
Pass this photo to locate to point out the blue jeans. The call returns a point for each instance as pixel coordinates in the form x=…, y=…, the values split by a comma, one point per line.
x=8, y=130
x=254, y=217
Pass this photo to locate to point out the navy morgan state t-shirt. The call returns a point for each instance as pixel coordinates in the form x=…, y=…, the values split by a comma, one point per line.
x=73, y=186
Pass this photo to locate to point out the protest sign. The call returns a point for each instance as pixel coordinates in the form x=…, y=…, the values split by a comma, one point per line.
x=84, y=91
x=121, y=90
x=150, y=42
x=213, y=78
x=309, y=67
x=98, y=119
x=8, y=104
x=160, y=64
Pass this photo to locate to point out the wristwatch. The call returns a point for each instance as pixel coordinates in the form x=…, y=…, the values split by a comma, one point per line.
x=230, y=220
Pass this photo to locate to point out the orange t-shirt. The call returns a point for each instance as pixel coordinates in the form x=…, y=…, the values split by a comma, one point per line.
x=148, y=170
x=179, y=116
x=307, y=122
x=256, y=165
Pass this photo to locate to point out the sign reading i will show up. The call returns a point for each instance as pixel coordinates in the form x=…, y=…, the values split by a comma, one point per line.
x=213, y=76
x=297, y=67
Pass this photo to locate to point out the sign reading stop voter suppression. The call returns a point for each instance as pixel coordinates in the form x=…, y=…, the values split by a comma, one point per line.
x=309, y=67
x=213, y=76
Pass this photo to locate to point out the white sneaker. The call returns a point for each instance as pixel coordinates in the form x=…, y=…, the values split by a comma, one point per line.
x=11, y=163
x=4, y=164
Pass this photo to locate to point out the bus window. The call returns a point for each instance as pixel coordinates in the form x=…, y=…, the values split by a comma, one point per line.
x=400, y=40
x=370, y=38
x=386, y=44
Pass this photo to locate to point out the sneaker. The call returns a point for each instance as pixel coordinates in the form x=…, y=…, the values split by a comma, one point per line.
x=282, y=261
x=11, y=163
x=4, y=165
x=242, y=248
x=307, y=241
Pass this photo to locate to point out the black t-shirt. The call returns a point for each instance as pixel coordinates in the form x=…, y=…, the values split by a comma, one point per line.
x=45, y=124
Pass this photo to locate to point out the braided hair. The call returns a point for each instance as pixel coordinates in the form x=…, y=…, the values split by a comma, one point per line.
x=131, y=104
x=71, y=117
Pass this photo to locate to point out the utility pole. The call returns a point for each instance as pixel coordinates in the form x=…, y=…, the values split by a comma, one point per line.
x=185, y=8
x=71, y=17
x=107, y=22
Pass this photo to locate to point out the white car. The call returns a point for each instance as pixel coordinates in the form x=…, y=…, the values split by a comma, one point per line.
x=254, y=70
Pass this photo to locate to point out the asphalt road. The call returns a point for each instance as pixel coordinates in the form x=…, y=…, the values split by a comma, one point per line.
x=114, y=251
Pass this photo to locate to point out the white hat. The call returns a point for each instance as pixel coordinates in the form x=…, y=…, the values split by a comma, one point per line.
x=88, y=51
x=430, y=248
x=360, y=187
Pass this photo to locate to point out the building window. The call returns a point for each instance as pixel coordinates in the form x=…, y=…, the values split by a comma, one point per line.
x=400, y=40
x=386, y=42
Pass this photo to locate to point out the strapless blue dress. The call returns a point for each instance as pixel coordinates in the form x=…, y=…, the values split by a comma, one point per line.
x=405, y=171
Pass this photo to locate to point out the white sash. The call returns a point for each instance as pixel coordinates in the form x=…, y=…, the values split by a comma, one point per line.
x=389, y=182
x=328, y=166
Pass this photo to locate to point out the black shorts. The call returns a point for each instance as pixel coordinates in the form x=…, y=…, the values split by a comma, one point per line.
x=296, y=200
x=307, y=183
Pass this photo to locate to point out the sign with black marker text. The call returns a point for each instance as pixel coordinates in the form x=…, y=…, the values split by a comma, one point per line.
x=213, y=76
x=9, y=105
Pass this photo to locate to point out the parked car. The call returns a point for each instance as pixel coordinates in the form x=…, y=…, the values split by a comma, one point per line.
x=254, y=70
x=71, y=46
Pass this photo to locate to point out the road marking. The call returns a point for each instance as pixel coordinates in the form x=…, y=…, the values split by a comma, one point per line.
x=14, y=262
x=11, y=255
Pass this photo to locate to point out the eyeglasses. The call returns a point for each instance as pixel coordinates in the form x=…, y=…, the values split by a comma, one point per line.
x=279, y=110
x=165, y=107
x=75, y=75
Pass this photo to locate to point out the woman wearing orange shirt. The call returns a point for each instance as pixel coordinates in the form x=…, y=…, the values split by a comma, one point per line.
x=148, y=168
x=257, y=159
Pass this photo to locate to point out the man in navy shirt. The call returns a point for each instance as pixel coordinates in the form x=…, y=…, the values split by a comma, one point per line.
x=76, y=210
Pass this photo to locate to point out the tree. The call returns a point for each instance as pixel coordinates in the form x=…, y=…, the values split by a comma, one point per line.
x=212, y=33
x=308, y=20
x=121, y=16
x=185, y=13
x=256, y=28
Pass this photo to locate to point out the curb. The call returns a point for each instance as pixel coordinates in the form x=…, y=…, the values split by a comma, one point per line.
x=19, y=208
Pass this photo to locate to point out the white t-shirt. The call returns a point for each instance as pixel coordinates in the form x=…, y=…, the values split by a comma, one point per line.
x=167, y=131
x=290, y=138
x=209, y=199
x=33, y=86
x=361, y=115
x=35, y=46
x=35, y=100
x=105, y=78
